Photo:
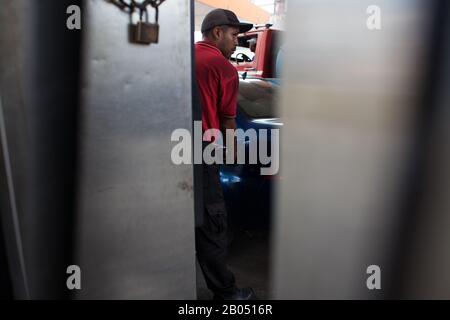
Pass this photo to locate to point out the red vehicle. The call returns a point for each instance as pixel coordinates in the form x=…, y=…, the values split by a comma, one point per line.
x=257, y=52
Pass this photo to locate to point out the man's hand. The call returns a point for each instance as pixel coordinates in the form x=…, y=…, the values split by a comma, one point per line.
x=229, y=123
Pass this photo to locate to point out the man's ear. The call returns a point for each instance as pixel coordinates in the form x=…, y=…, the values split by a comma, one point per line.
x=216, y=32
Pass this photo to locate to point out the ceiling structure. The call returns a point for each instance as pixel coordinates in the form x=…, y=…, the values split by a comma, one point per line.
x=253, y=11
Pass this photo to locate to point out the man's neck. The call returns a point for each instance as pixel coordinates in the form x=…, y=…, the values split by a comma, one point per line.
x=211, y=43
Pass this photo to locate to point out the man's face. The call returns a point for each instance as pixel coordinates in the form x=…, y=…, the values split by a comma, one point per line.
x=227, y=40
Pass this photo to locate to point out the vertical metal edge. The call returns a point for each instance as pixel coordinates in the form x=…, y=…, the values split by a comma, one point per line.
x=13, y=238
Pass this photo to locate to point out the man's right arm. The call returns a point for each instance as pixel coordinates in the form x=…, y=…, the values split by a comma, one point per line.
x=228, y=102
x=229, y=123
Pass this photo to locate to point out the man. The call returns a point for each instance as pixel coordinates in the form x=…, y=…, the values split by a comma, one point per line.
x=252, y=44
x=218, y=84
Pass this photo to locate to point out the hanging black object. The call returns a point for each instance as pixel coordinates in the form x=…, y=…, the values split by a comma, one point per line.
x=143, y=32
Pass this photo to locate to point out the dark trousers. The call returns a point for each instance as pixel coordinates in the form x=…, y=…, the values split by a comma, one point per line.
x=211, y=237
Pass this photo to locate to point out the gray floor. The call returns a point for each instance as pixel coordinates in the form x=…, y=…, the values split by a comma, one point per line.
x=248, y=260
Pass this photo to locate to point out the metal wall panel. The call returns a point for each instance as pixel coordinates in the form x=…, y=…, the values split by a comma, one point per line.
x=426, y=260
x=39, y=65
x=135, y=220
x=349, y=104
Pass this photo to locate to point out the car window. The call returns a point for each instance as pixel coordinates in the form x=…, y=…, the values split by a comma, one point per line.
x=241, y=55
x=257, y=98
x=244, y=47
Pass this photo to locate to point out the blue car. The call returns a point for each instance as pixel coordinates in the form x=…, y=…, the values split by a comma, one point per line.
x=248, y=194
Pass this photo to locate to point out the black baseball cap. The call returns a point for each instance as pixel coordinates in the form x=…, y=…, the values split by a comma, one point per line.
x=220, y=17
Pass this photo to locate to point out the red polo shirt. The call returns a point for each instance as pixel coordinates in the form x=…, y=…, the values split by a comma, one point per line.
x=218, y=84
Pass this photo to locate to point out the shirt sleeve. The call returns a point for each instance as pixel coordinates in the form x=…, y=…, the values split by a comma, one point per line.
x=229, y=86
